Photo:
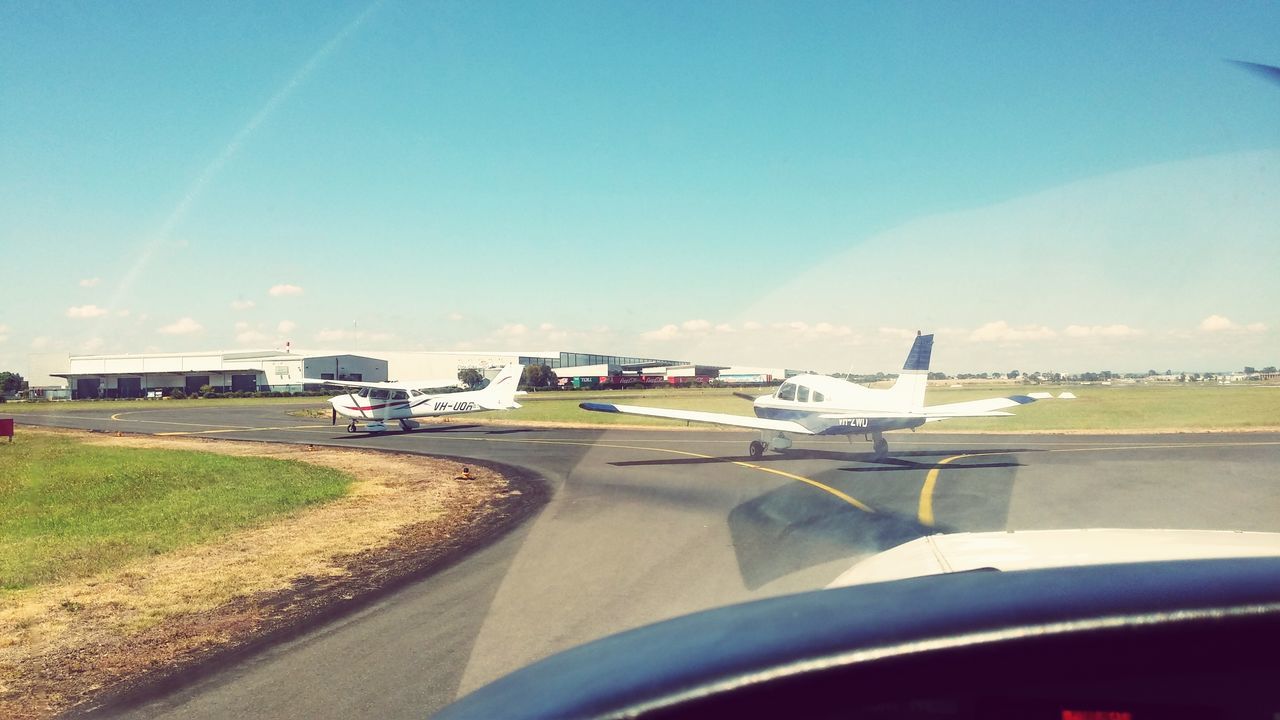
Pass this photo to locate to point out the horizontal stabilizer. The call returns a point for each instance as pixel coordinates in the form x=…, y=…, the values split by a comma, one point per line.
x=745, y=421
x=977, y=408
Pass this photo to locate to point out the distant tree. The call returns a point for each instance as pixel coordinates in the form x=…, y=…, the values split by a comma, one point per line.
x=1152, y=373
x=471, y=377
x=11, y=382
x=1249, y=370
x=538, y=376
x=1013, y=374
x=937, y=376
x=1270, y=369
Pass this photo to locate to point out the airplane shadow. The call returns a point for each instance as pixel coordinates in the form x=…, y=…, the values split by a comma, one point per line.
x=436, y=429
x=896, y=461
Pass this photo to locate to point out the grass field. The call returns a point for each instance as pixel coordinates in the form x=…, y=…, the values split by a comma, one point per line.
x=1097, y=407
x=19, y=408
x=68, y=509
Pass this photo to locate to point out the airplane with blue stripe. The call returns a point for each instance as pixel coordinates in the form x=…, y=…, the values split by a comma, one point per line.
x=824, y=405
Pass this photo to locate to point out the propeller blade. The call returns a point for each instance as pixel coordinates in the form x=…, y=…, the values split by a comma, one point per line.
x=1269, y=72
x=745, y=396
x=335, y=416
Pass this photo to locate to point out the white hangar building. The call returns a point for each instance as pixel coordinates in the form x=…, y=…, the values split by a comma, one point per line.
x=135, y=376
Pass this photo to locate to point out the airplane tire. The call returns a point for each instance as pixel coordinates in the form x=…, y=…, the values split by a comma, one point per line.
x=756, y=448
x=351, y=427
x=881, y=447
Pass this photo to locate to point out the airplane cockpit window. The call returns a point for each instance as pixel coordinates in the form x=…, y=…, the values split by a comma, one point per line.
x=399, y=395
x=379, y=394
x=787, y=392
x=364, y=392
x=818, y=397
x=415, y=393
x=802, y=394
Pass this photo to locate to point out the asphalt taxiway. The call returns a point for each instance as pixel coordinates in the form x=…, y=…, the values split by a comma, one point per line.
x=644, y=525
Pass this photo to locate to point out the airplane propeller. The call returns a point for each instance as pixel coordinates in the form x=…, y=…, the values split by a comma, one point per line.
x=1269, y=72
x=335, y=416
x=745, y=396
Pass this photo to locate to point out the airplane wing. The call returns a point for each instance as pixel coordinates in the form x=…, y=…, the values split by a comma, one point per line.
x=398, y=385
x=706, y=417
x=989, y=407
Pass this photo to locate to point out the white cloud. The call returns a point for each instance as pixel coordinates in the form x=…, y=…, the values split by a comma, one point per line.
x=91, y=345
x=1218, y=323
x=454, y=316
x=183, y=326
x=546, y=327
x=687, y=329
x=85, y=311
x=90, y=282
x=122, y=313
x=286, y=326
x=39, y=343
x=4, y=333
x=666, y=332
x=1113, y=331
x=284, y=289
x=241, y=304
x=1002, y=332
x=695, y=326
x=751, y=325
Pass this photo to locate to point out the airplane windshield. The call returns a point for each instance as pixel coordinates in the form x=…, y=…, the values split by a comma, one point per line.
x=1030, y=250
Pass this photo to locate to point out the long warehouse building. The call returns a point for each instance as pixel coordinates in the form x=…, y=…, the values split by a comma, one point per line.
x=65, y=376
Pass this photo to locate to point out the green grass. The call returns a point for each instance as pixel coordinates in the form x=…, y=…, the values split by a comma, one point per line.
x=68, y=509
x=1097, y=407
x=71, y=406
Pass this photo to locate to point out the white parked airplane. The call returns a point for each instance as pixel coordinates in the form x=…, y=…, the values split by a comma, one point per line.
x=379, y=403
x=823, y=405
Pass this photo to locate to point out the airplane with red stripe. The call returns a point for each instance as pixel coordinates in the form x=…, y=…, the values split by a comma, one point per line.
x=376, y=404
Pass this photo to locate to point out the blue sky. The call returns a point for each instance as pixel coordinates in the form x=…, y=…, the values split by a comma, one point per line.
x=1069, y=186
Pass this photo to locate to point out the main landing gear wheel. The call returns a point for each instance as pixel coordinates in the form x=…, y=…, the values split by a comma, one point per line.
x=881, y=447
x=405, y=426
x=351, y=426
x=756, y=448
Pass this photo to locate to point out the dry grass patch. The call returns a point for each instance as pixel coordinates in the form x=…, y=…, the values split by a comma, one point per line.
x=61, y=643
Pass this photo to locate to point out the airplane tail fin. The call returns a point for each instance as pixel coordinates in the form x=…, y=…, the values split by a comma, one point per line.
x=908, y=390
x=500, y=393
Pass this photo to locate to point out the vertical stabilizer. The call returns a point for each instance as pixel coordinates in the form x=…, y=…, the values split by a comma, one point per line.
x=908, y=391
x=500, y=393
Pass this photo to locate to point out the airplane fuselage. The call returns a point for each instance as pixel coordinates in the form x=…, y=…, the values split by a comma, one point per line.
x=831, y=406
x=381, y=405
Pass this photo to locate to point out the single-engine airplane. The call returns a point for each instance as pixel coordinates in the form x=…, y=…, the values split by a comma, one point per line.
x=378, y=403
x=823, y=405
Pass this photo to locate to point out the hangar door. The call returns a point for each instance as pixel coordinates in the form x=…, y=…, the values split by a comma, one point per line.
x=194, y=382
x=87, y=388
x=244, y=383
x=129, y=387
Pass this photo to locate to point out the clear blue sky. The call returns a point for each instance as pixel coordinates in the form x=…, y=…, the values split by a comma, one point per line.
x=728, y=182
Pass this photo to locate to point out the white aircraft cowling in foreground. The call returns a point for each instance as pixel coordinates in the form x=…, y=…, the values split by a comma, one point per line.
x=823, y=405
x=379, y=403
